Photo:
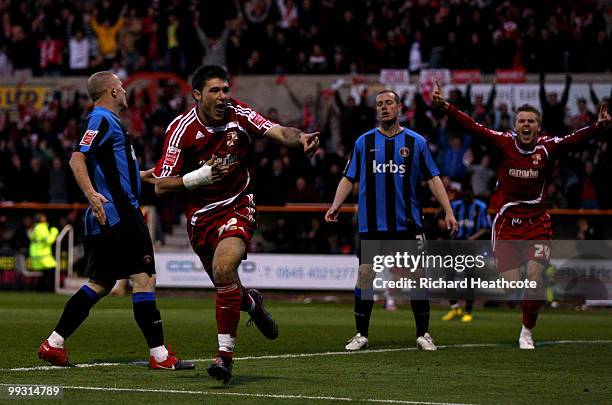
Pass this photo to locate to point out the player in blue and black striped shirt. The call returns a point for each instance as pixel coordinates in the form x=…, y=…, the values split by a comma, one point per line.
x=389, y=163
x=117, y=240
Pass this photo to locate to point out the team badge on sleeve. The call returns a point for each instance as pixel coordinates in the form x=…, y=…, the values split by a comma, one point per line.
x=256, y=119
x=88, y=137
x=171, y=157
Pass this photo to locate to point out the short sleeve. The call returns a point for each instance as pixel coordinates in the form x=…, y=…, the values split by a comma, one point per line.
x=351, y=171
x=429, y=169
x=171, y=161
x=249, y=119
x=96, y=134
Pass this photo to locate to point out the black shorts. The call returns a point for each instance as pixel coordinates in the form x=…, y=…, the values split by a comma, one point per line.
x=120, y=251
x=386, y=248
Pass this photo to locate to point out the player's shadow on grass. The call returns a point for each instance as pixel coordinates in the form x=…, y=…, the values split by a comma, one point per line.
x=235, y=381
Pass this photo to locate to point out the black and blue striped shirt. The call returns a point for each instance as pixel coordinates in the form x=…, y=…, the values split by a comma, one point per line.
x=389, y=170
x=471, y=217
x=112, y=166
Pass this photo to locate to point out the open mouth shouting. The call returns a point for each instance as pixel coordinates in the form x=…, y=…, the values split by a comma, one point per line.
x=220, y=108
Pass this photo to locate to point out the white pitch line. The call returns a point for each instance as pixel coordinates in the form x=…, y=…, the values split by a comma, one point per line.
x=253, y=395
x=319, y=354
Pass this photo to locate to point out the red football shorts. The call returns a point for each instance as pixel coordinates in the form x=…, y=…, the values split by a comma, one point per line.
x=236, y=220
x=511, y=241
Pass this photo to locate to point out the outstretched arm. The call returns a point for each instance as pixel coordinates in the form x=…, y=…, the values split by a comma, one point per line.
x=464, y=120
x=568, y=82
x=294, y=138
x=594, y=98
x=604, y=122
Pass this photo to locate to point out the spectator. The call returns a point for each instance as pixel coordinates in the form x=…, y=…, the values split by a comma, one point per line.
x=317, y=61
x=38, y=185
x=481, y=178
x=78, y=53
x=302, y=192
x=553, y=110
x=58, y=188
x=106, y=33
x=588, y=194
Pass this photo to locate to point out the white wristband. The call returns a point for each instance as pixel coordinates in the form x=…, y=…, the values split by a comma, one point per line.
x=198, y=177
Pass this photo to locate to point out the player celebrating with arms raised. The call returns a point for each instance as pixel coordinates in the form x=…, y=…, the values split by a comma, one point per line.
x=526, y=159
x=208, y=156
x=389, y=163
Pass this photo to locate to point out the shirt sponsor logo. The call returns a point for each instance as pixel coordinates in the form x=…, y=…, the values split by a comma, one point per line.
x=390, y=167
x=171, y=157
x=88, y=137
x=256, y=119
x=524, y=173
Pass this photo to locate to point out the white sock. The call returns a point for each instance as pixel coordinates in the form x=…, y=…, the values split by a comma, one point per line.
x=55, y=340
x=160, y=353
x=455, y=306
x=525, y=331
x=226, y=342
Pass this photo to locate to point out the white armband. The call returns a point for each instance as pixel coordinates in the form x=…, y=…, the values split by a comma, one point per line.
x=198, y=177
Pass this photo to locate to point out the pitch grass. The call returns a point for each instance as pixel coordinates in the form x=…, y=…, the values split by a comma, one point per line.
x=568, y=373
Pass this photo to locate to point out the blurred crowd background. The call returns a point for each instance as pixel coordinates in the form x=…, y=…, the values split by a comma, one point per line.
x=54, y=37
x=48, y=37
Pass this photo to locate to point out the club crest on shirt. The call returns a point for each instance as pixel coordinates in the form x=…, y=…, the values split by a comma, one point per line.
x=404, y=151
x=88, y=137
x=536, y=159
x=232, y=138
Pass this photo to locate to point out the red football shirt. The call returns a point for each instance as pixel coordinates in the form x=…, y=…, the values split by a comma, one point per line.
x=189, y=143
x=522, y=174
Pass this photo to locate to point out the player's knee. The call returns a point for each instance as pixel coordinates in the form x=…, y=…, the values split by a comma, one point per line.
x=101, y=289
x=535, y=270
x=224, y=272
x=143, y=282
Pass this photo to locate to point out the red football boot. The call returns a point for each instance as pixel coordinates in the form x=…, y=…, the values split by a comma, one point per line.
x=171, y=363
x=54, y=355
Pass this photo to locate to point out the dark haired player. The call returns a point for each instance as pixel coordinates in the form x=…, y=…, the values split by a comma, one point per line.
x=208, y=156
x=389, y=163
x=117, y=241
x=518, y=200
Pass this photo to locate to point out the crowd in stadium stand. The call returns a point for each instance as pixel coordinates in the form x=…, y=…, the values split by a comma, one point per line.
x=35, y=148
x=54, y=37
x=293, y=37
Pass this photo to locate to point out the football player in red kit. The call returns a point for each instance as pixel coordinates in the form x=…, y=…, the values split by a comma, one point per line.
x=208, y=156
x=518, y=200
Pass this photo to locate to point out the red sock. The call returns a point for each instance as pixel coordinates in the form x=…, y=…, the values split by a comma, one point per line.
x=246, y=302
x=530, y=312
x=228, y=308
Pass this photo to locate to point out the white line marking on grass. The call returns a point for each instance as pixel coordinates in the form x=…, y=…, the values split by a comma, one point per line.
x=253, y=395
x=320, y=354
